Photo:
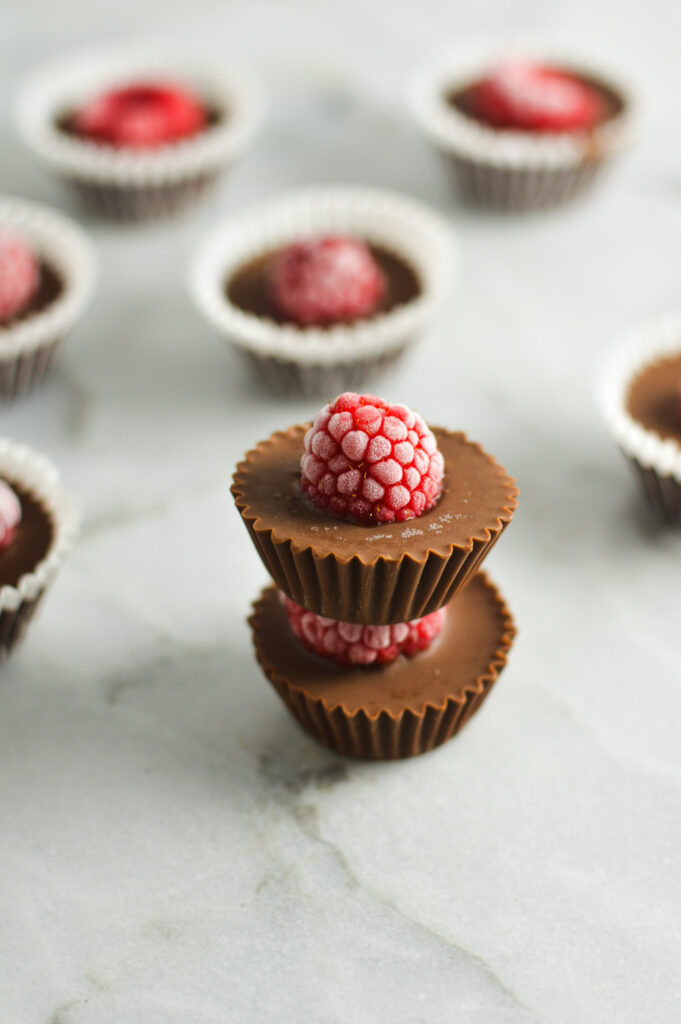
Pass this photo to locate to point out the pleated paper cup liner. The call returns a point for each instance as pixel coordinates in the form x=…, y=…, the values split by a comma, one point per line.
x=36, y=475
x=385, y=572
x=122, y=183
x=656, y=461
x=516, y=170
x=320, y=361
x=29, y=345
x=402, y=709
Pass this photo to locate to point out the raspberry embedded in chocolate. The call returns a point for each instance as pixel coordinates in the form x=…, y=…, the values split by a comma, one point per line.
x=350, y=644
x=19, y=275
x=325, y=281
x=532, y=97
x=10, y=515
x=370, y=461
x=142, y=115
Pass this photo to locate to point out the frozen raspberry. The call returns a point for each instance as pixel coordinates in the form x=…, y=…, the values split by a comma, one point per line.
x=142, y=115
x=349, y=644
x=326, y=281
x=10, y=515
x=370, y=461
x=532, y=97
x=19, y=275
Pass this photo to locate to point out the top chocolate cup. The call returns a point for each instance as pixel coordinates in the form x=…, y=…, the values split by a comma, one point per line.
x=517, y=169
x=379, y=573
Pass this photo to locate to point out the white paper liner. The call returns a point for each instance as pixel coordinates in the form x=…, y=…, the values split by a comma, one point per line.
x=399, y=224
x=459, y=135
x=62, y=86
x=37, y=475
x=66, y=248
x=639, y=348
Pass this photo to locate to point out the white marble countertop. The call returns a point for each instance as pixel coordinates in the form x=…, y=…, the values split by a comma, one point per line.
x=174, y=850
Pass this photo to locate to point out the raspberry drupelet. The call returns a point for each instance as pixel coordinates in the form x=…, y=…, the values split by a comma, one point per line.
x=371, y=461
x=351, y=644
x=533, y=97
x=142, y=115
x=19, y=275
x=326, y=281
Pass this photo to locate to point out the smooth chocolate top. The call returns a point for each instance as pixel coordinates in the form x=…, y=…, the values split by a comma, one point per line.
x=49, y=289
x=477, y=497
x=248, y=287
x=31, y=541
x=471, y=647
x=463, y=99
x=654, y=397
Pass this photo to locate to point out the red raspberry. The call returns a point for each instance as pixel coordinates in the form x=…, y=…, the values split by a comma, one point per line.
x=370, y=461
x=10, y=515
x=142, y=116
x=326, y=281
x=350, y=644
x=531, y=97
x=19, y=275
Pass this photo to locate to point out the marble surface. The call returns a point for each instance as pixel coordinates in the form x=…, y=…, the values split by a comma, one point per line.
x=173, y=848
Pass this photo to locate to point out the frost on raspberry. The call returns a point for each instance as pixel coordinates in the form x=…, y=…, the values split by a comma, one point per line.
x=349, y=644
x=325, y=281
x=371, y=461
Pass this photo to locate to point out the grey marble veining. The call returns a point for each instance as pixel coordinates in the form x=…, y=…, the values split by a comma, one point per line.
x=173, y=849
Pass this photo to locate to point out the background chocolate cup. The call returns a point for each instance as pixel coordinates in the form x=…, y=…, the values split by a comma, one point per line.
x=288, y=377
x=377, y=574
x=512, y=169
x=398, y=710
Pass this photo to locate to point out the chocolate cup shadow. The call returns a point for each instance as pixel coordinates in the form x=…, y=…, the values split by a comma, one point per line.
x=382, y=573
x=399, y=710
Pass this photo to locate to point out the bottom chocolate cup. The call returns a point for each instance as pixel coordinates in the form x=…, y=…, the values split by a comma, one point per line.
x=398, y=710
x=132, y=203
x=519, y=189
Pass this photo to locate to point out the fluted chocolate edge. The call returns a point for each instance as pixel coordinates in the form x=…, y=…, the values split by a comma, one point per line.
x=520, y=189
x=384, y=736
x=379, y=592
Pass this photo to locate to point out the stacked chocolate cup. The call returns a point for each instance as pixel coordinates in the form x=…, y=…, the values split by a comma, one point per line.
x=380, y=574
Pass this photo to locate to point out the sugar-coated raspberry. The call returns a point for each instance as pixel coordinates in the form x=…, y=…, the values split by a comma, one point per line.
x=10, y=515
x=141, y=115
x=19, y=275
x=350, y=644
x=367, y=460
x=325, y=281
x=532, y=97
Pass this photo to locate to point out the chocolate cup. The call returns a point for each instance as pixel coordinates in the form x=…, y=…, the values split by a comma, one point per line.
x=398, y=710
x=130, y=204
x=519, y=189
x=380, y=573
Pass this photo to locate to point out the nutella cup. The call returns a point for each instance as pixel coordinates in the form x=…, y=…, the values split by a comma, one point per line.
x=30, y=344
x=319, y=361
x=399, y=710
x=380, y=573
x=47, y=508
x=516, y=170
x=655, y=458
x=124, y=184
